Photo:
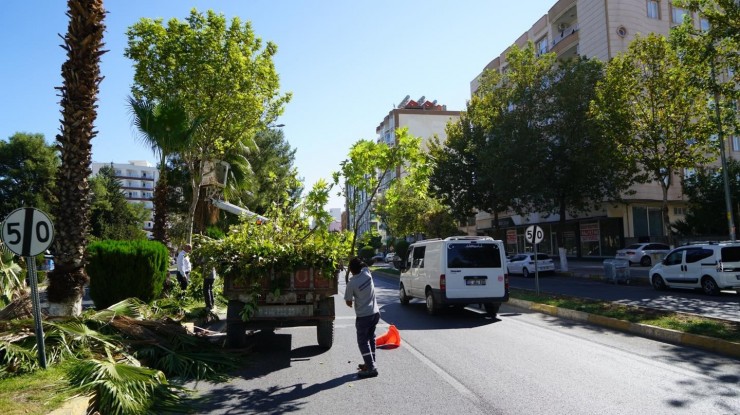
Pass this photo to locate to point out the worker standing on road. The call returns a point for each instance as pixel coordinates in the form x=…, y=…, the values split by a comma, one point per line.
x=183, y=266
x=361, y=290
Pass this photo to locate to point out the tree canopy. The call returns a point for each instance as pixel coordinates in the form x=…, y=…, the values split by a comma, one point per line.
x=220, y=71
x=27, y=169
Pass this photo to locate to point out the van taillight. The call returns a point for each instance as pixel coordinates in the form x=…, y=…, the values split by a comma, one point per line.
x=442, y=282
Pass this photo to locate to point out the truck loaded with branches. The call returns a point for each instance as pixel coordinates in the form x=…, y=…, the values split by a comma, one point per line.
x=281, y=272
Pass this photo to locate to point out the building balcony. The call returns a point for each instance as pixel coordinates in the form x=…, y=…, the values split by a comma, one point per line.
x=566, y=40
x=148, y=178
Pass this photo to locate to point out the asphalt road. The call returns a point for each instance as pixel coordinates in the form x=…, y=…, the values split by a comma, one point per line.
x=465, y=362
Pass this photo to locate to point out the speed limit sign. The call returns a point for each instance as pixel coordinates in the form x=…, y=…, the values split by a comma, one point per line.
x=27, y=232
x=534, y=234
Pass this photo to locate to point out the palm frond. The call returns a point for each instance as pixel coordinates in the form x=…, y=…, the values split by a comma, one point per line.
x=16, y=359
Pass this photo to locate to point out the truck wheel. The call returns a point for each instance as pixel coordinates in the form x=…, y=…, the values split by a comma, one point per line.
x=492, y=309
x=236, y=328
x=325, y=333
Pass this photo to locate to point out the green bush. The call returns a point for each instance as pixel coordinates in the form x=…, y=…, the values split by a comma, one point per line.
x=366, y=253
x=126, y=269
x=402, y=247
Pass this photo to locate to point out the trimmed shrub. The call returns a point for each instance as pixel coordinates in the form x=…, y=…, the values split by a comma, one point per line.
x=125, y=269
x=366, y=253
x=402, y=247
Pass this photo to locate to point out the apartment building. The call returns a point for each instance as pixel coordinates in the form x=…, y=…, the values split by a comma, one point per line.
x=138, y=178
x=424, y=119
x=596, y=29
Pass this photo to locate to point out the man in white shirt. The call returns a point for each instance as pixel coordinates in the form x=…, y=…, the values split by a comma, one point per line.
x=183, y=266
x=360, y=292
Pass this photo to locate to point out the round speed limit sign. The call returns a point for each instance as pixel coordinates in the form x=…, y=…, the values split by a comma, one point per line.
x=27, y=232
x=534, y=234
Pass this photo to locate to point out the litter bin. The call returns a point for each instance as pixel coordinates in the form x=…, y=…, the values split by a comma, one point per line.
x=617, y=270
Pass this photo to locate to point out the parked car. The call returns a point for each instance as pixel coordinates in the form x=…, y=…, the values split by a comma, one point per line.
x=377, y=258
x=390, y=256
x=524, y=264
x=710, y=266
x=643, y=253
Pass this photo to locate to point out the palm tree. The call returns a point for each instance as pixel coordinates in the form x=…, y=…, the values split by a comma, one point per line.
x=81, y=80
x=167, y=128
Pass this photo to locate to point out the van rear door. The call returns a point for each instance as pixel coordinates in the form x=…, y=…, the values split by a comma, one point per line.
x=475, y=270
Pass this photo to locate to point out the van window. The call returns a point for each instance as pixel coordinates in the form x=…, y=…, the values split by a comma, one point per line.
x=419, y=256
x=697, y=254
x=467, y=255
x=674, y=258
x=731, y=254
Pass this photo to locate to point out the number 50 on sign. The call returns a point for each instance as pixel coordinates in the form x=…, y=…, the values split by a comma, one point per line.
x=27, y=232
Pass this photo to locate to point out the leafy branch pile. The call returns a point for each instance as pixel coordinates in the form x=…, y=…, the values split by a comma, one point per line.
x=292, y=239
x=121, y=357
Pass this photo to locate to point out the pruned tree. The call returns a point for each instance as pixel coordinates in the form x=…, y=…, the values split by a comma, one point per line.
x=220, y=71
x=81, y=80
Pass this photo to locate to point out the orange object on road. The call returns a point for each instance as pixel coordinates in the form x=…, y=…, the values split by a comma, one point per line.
x=390, y=340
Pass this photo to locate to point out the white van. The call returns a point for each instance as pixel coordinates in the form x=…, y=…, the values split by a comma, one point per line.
x=712, y=267
x=458, y=270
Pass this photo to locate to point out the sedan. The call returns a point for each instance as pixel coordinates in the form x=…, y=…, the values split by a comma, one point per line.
x=524, y=264
x=643, y=253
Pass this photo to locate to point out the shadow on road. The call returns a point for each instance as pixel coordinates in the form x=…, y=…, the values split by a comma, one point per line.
x=413, y=316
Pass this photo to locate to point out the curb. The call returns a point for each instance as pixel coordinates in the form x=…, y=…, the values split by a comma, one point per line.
x=711, y=344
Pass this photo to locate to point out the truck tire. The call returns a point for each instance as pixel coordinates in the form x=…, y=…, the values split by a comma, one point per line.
x=325, y=333
x=236, y=328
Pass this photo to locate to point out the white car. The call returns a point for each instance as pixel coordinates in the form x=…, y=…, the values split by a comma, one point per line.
x=524, y=264
x=711, y=267
x=643, y=253
x=390, y=256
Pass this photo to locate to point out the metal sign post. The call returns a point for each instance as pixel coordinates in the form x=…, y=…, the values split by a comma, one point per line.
x=534, y=235
x=27, y=232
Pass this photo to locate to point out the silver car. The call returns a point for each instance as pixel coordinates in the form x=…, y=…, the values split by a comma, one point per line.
x=643, y=253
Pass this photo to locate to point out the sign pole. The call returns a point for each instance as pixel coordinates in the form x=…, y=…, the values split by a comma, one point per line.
x=36, y=303
x=536, y=270
x=28, y=232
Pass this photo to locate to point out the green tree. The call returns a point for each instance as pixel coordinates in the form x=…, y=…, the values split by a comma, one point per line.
x=706, y=215
x=27, y=169
x=274, y=176
x=167, y=129
x=220, y=71
x=81, y=80
x=367, y=167
x=649, y=107
x=582, y=167
x=112, y=216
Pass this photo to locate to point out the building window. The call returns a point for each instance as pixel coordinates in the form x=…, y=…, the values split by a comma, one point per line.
x=677, y=14
x=542, y=46
x=679, y=211
x=653, y=9
x=647, y=221
x=736, y=143
x=704, y=24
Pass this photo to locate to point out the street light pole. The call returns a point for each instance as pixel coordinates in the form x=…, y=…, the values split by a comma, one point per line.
x=723, y=157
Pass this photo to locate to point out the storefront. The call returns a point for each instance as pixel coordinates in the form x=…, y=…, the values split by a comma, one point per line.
x=586, y=238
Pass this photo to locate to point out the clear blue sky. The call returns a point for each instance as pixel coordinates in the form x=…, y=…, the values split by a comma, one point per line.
x=347, y=63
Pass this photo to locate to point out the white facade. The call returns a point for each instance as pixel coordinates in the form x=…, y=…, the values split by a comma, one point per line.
x=137, y=178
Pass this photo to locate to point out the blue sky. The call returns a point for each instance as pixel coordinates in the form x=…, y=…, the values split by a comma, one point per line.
x=347, y=63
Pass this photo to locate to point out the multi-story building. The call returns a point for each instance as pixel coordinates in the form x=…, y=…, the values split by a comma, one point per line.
x=336, y=223
x=138, y=179
x=424, y=119
x=597, y=29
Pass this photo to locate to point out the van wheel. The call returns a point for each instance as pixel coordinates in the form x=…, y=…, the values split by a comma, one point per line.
x=709, y=285
x=432, y=308
x=525, y=273
x=402, y=295
x=658, y=283
x=645, y=261
x=492, y=309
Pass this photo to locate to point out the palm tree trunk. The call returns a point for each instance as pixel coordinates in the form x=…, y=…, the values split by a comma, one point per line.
x=81, y=75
